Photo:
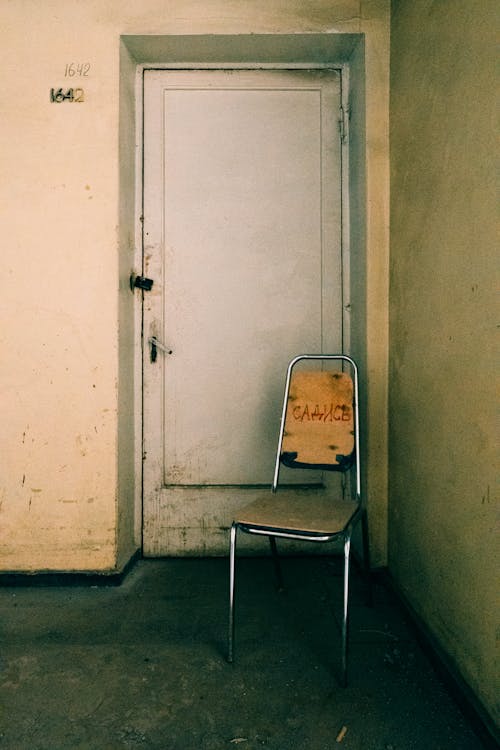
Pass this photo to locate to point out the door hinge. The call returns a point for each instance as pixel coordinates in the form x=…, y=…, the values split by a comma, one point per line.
x=344, y=124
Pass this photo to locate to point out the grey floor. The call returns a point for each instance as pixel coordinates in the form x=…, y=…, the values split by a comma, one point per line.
x=143, y=665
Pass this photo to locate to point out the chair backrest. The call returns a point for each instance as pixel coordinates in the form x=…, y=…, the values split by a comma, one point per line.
x=320, y=422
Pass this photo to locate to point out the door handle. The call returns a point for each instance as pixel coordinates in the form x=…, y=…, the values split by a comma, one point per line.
x=140, y=282
x=155, y=345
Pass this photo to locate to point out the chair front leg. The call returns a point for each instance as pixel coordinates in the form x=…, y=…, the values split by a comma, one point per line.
x=347, y=549
x=232, y=555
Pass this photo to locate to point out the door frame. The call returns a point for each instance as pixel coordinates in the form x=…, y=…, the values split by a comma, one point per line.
x=139, y=343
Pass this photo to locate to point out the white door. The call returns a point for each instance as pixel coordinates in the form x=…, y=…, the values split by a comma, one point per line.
x=242, y=238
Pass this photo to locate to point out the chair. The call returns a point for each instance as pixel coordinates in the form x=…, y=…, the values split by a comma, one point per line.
x=319, y=430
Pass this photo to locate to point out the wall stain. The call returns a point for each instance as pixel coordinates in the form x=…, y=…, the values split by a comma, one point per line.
x=80, y=440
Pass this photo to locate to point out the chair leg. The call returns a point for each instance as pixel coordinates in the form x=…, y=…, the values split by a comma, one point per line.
x=347, y=549
x=277, y=567
x=232, y=555
x=366, y=558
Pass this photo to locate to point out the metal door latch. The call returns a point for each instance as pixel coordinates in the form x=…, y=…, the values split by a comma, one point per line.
x=155, y=345
x=140, y=282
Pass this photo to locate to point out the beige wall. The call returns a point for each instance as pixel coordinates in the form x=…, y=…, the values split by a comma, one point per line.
x=69, y=475
x=443, y=529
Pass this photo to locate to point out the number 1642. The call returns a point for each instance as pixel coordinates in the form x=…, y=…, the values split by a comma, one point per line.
x=66, y=95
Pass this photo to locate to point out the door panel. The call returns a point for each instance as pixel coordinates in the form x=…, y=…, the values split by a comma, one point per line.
x=242, y=239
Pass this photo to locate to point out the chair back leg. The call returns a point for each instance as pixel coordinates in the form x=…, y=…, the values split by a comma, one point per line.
x=366, y=558
x=280, y=585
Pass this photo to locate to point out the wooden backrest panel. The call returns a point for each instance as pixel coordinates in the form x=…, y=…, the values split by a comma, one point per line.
x=319, y=423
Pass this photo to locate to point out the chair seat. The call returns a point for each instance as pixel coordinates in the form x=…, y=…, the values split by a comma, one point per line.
x=298, y=511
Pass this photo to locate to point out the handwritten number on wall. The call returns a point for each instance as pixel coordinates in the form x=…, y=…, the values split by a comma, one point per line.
x=72, y=69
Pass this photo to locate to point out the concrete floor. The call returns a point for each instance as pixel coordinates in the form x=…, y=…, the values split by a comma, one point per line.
x=143, y=665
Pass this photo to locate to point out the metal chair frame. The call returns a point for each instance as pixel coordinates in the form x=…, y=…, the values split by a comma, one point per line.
x=273, y=532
